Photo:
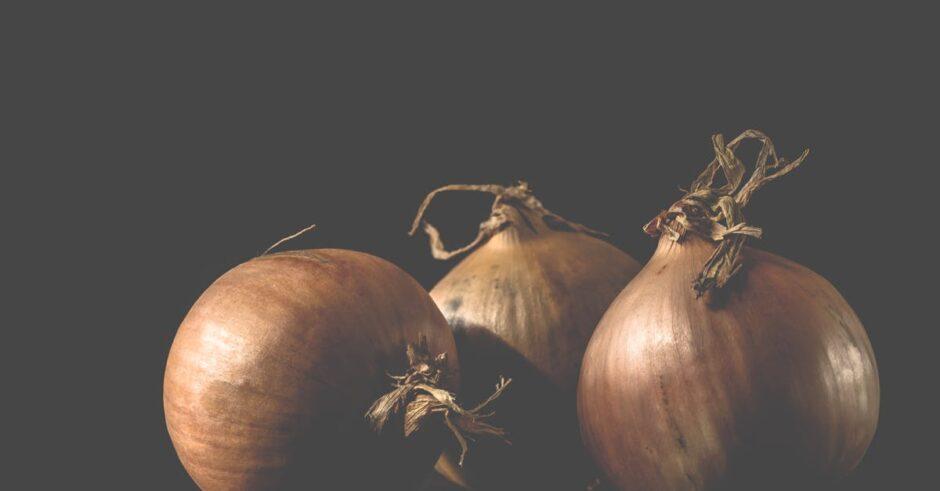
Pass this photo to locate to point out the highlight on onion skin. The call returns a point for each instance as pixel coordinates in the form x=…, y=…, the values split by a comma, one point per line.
x=274, y=367
x=523, y=304
x=721, y=366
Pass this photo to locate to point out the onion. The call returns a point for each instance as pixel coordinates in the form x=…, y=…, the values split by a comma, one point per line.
x=273, y=368
x=723, y=365
x=523, y=304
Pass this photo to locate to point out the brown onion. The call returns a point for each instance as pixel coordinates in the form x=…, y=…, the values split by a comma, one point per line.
x=273, y=368
x=524, y=304
x=723, y=365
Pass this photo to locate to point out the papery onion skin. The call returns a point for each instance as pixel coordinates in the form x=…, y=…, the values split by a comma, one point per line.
x=537, y=293
x=273, y=368
x=778, y=387
x=524, y=305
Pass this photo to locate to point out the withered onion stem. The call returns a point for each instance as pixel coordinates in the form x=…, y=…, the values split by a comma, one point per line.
x=417, y=395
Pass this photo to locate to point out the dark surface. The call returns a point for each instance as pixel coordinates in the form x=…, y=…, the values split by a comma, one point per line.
x=152, y=150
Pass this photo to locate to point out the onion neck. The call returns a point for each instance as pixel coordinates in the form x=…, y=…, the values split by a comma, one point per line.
x=667, y=246
x=714, y=210
x=522, y=224
x=417, y=395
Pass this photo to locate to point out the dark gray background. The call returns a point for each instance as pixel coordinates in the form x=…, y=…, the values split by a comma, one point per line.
x=151, y=150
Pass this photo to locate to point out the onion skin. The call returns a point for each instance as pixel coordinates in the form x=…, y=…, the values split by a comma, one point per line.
x=775, y=387
x=273, y=368
x=524, y=305
x=528, y=289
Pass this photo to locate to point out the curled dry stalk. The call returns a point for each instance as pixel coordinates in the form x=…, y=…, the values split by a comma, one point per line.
x=715, y=212
x=289, y=237
x=417, y=394
x=518, y=196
